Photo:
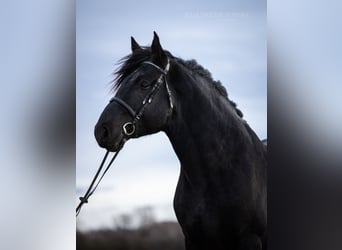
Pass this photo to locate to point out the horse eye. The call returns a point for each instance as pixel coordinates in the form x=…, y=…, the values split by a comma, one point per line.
x=145, y=84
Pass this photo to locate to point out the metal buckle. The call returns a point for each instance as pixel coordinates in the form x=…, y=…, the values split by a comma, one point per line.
x=128, y=128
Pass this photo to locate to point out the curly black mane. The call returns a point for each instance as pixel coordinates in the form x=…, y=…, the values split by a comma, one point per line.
x=200, y=70
x=131, y=62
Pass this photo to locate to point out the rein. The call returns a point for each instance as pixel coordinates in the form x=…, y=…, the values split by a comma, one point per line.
x=129, y=128
x=92, y=188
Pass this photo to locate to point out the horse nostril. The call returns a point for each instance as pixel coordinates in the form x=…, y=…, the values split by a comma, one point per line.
x=102, y=133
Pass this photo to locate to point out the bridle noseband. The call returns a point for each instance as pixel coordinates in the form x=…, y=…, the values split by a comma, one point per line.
x=129, y=128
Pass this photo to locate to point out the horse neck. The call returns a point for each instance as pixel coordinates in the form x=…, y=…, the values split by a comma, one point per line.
x=206, y=133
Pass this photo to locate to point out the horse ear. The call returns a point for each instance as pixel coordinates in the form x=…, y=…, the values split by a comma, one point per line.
x=134, y=45
x=157, y=49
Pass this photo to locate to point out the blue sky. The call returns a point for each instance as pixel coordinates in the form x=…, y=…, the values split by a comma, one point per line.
x=229, y=39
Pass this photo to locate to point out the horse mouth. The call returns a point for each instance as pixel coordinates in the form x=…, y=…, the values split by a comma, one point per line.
x=113, y=148
x=117, y=145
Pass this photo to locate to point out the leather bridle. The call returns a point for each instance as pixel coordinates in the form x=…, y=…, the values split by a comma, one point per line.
x=129, y=128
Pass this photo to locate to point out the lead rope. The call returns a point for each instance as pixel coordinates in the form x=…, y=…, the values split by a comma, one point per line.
x=92, y=188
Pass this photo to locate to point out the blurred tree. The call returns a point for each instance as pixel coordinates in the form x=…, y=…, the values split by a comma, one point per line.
x=145, y=216
x=123, y=222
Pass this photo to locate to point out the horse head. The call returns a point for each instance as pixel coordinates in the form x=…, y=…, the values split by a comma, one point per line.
x=142, y=103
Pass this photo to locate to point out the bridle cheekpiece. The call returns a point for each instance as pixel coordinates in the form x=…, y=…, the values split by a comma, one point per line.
x=129, y=128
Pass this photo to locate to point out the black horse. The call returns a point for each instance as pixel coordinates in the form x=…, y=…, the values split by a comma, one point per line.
x=221, y=196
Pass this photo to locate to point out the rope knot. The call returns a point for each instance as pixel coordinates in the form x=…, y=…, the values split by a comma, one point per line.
x=83, y=199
